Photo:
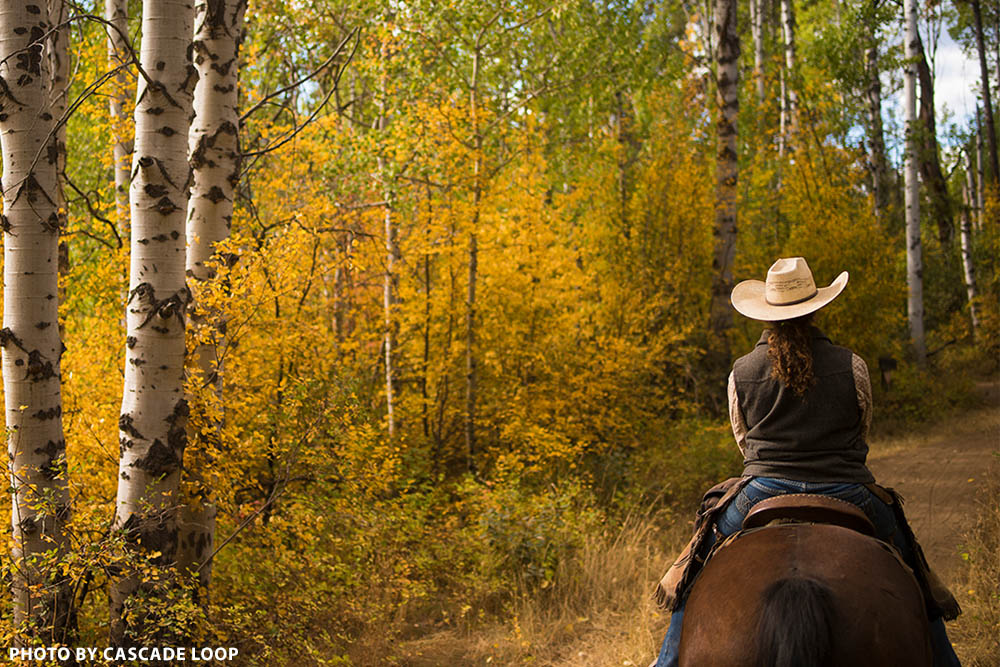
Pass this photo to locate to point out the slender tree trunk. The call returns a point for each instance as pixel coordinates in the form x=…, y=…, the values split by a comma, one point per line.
x=790, y=98
x=757, y=30
x=876, y=141
x=214, y=155
x=968, y=269
x=30, y=336
x=116, y=14
x=57, y=52
x=391, y=251
x=980, y=175
x=991, y=134
x=727, y=175
x=929, y=157
x=152, y=426
x=470, y=302
x=914, y=260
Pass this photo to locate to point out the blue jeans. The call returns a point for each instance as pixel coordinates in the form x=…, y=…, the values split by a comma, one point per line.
x=761, y=488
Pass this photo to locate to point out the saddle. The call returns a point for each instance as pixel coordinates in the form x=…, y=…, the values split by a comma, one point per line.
x=808, y=508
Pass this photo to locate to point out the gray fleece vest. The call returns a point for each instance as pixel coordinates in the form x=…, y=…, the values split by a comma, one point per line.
x=813, y=438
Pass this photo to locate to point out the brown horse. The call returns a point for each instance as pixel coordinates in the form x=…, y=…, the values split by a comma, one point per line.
x=805, y=595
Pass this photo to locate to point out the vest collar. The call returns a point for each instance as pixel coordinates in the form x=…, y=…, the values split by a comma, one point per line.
x=814, y=333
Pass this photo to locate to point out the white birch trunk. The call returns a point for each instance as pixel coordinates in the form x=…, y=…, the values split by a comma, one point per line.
x=979, y=174
x=791, y=96
x=968, y=270
x=388, y=298
x=726, y=177
x=57, y=52
x=876, y=140
x=214, y=150
x=470, y=300
x=154, y=410
x=30, y=336
x=757, y=30
x=116, y=14
x=914, y=259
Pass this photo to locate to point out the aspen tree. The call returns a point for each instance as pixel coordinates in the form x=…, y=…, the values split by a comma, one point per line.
x=726, y=176
x=914, y=260
x=991, y=135
x=789, y=94
x=929, y=160
x=757, y=31
x=214, y=150
x=116, y=14
x=154, y=411
x=876, y=135
x=57, y=52
x=980, y=177
x=30, y=336
x=391, y=250
x=968, y=269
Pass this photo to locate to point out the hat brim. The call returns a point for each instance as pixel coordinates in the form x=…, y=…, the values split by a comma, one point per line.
x=748, y=299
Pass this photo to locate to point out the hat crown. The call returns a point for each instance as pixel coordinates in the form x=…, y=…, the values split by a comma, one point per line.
x=789, y=281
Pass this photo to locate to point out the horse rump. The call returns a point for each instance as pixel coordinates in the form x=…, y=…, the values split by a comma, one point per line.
x=795, y=625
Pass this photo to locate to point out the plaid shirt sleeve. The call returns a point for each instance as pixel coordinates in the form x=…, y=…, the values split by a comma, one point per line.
x=736, y=416
x=863, y=386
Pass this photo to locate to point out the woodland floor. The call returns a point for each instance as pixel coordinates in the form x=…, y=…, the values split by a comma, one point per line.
x=938, y=468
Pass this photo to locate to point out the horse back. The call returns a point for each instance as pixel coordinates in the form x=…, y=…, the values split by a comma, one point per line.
x=876, y=610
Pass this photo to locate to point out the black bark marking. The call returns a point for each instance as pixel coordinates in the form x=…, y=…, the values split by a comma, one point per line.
x=177, y=433
x=52, y=223
x=5, y=224
x=172, y=306
x=43, y=325
x=215, y=194
x=55, y=459
x=39, y=368
x=167, y=131
x=161, y=238
x=156, y=190
x=7, y=336
x=33, y=9
x=136, y=362
x=165, y=206
x=127, y=425
x=159, y=460
x=31, y=186
x=130, y=342
x=155, y=111
x=51, y=413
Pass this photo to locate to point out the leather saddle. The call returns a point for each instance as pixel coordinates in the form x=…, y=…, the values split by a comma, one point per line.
x=808, y=508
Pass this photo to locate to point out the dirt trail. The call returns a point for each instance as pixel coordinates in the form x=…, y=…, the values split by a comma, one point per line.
x=938, y=474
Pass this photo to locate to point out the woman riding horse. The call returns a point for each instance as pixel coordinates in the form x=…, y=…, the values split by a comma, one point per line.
x=800, y=409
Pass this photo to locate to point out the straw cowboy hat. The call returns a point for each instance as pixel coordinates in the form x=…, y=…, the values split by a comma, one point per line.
x=788, y=292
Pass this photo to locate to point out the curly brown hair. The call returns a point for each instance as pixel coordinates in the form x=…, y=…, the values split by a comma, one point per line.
x=790, y=352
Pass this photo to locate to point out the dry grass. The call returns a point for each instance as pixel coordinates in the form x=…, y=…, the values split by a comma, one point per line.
x=599, y=612
x=976, y=633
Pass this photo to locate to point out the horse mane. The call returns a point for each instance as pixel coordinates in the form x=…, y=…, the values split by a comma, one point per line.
x=795, y=626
